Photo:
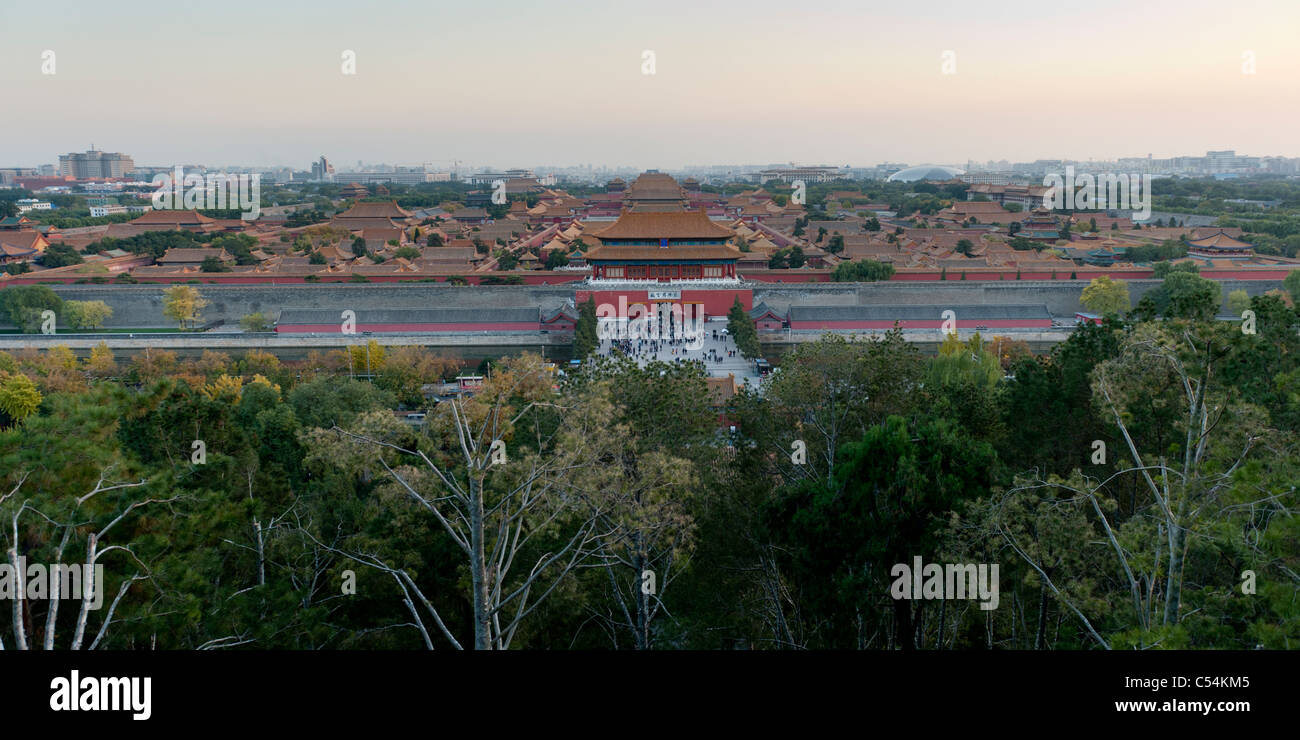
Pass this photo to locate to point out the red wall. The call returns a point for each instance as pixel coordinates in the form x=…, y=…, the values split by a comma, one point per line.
x=559, y=325
x=786, y=276
x=338, y=328
x=224, y=278
x=924, y=324
x=821, y=276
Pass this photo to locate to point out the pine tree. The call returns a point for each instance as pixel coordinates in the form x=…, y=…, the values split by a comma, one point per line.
x=585, y=338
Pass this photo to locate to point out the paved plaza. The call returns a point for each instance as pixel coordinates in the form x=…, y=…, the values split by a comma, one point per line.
x=712, y=349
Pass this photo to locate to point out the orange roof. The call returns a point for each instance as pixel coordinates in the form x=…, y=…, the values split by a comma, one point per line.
x=721, y=390
x=362, y=224
x=667, y=225
x=1219, y=240
x=387, y=209
x=654, y=186
x=191, y=255
x=15, y=243
x=169, y=216
x=697, y=252
x=969, y=207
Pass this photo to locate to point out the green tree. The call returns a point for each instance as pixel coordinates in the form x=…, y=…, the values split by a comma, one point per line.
x=1105, y=296
x=830, y=391
x=1162, y=270
x=87, y=314
x=25, y=303
x=862, y=271
x=213, y=264
x=960, y=384
x=555, y=258
x=741, y=327
x=1292, y=285
x=255, y=322
x=507, y=260
x=883, y=506
x=60, y=255
x=1238, y=302
x=585, y=337
x=1187, y=295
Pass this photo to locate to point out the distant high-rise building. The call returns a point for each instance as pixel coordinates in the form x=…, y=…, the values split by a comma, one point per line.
x=94, y=163
x=322, y=169
x=1223, y=161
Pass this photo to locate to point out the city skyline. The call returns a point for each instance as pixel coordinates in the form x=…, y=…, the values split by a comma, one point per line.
x=467, y=170
x=829, y=84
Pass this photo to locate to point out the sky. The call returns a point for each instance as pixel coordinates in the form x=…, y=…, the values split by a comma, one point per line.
x=511, y=83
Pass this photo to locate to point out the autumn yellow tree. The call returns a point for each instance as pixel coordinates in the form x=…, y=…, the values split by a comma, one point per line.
x=210, y=363
x=154, y=364
x=1009, y=351
x=367, y=358
x=406, y=369
x=19, y=398
x=101, y=362
x=256, y=361
x=183, y=304
x=61, y=357
x=226, y=387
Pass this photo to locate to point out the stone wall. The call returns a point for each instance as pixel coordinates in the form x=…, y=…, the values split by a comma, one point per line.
x=141, y=306
x=1060, y=296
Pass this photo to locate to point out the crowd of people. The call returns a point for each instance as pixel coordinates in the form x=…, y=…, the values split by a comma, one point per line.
x=713, y=349
x=675, y=346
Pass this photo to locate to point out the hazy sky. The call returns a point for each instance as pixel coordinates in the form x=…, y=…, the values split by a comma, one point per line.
x=512, y=83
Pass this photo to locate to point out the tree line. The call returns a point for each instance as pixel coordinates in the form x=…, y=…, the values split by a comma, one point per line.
x=1136, y=486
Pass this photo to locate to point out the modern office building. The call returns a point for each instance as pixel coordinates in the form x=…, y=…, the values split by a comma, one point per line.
x=95, y=164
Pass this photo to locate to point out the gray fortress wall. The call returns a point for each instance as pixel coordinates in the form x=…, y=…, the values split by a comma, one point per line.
x=1060, y=296
x=140, y=306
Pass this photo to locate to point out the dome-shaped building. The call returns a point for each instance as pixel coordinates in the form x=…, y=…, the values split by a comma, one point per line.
x=926, y=172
